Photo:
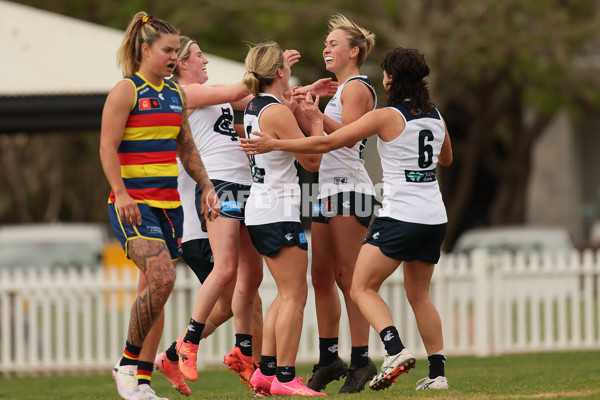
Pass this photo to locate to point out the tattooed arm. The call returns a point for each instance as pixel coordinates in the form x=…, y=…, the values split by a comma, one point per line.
x=190, y=158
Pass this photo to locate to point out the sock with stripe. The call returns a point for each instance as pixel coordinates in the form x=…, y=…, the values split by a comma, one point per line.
x=131, y=354
x=144, y=372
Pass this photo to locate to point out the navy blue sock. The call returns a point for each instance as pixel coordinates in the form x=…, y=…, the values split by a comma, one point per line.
x=144, y=372
x=172, y=353
x=131, y=354
x=285, y=374
x=391, y=340
x=359, y=357
x=328, y=350
x=436, y=365
x=194, y=332
x=244, y=342
x=268, y=365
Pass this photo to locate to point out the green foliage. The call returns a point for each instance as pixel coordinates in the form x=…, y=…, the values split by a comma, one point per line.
x=493, y=63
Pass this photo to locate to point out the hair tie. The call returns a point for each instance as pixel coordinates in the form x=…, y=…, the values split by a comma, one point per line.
x=147, y=18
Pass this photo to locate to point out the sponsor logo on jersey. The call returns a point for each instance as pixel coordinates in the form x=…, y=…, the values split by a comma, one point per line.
x=340, y=180
x=148, y=104
x=420, y=176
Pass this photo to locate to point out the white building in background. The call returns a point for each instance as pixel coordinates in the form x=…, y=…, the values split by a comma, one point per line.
x=46, y=53
x=56, y=70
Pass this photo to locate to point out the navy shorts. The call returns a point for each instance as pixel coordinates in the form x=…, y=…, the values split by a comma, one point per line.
x=406, y=241
x=199, y=257
x=165, y=224
x=232, y=196
x=269, y=239
x=345, y=203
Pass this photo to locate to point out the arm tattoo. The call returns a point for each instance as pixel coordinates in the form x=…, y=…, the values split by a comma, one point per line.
x=187, y=150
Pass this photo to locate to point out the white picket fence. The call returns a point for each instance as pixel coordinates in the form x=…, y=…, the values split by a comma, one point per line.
x=74, y=321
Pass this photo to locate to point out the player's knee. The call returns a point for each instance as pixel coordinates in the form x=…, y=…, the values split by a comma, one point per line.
x=344, y=282
x=162, y=286
x=321, y=281
x=355, y=292
x=415, y=299
x=225, y=274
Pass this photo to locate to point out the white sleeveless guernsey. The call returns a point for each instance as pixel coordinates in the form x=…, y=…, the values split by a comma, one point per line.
x=217, y=142
x=275, y=192
x=410, y=189
x=343, y=169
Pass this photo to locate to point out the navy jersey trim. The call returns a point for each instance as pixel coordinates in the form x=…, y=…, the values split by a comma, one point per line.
x=256, y=105
x=410, y=114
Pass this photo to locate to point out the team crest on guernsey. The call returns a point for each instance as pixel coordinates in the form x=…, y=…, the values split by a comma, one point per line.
x=148, y=104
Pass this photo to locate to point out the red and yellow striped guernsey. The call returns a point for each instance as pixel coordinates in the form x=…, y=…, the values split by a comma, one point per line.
x=148, y=150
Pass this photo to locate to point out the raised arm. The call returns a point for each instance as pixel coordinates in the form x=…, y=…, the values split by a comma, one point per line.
x=371, y=123
x=201, y=96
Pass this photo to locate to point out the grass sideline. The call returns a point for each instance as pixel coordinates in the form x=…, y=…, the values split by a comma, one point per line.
x=572, y=375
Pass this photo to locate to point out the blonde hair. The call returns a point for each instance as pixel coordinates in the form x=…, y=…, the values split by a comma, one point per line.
x=357, y=36
x=143, y=28
x=183, y=51
x=262, y=63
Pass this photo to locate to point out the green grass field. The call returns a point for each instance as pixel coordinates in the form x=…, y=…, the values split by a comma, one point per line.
x=572, y=375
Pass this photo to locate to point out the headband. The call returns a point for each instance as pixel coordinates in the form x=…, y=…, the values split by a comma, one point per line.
x=147, y=18
x=185, y=48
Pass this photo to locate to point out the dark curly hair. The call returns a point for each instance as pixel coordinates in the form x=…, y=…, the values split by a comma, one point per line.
x=407, y=70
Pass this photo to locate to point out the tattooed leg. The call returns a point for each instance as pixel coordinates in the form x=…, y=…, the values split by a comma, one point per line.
x=153, y=259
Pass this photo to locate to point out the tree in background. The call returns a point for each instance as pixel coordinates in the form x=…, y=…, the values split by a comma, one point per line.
x=501, y=71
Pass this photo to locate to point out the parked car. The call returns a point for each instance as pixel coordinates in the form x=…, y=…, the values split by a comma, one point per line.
x=515, y=238
x=51, y=245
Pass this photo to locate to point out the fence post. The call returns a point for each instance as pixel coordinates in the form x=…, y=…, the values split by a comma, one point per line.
x=480, y=264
